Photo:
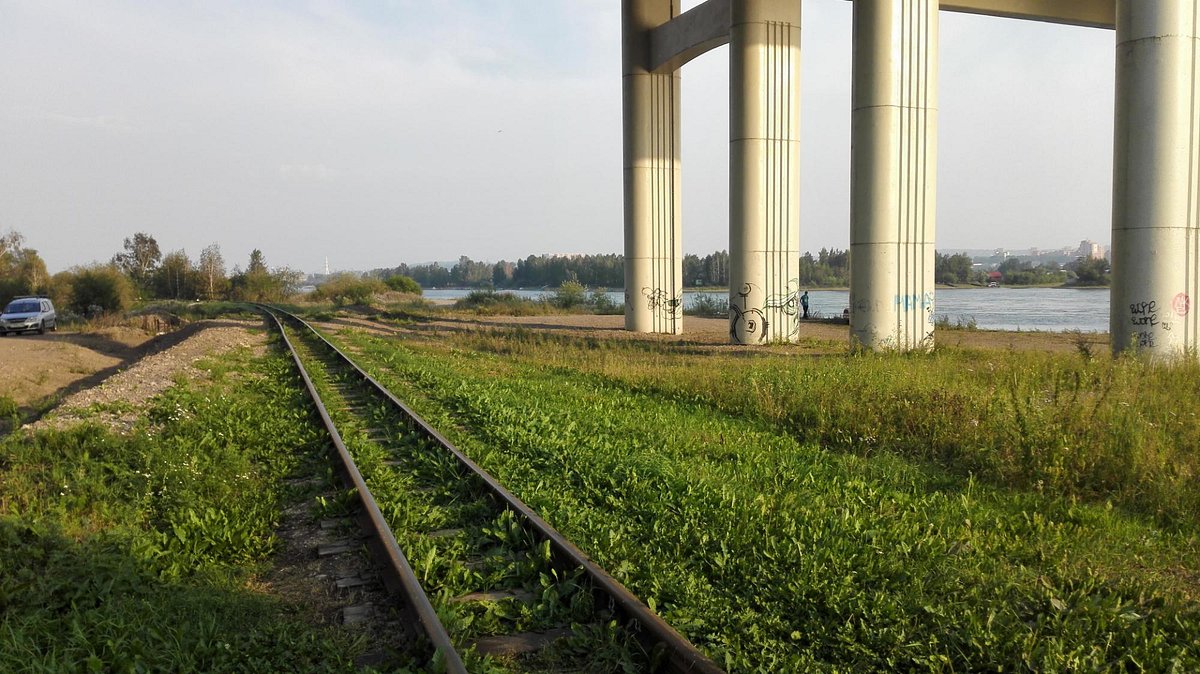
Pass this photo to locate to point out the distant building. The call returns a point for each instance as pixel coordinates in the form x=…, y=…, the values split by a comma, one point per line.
x=1090, y=250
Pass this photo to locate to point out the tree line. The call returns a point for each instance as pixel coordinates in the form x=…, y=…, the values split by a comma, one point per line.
x=140, y=271
x=829, y=268
x=959, y=269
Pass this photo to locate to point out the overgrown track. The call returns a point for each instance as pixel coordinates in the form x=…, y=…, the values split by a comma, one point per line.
x=533, y=600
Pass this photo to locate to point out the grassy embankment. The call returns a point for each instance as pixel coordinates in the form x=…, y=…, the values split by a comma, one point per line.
x=950, y=512
x=140, y=552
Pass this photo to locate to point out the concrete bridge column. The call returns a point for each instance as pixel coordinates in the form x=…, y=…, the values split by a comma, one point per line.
x=653, y=243
x=894, y=174
x=1156, y=187
x=764, y=171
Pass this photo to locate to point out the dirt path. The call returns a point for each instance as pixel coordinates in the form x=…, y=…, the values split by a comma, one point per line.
x=118, y=401
x=36, y=367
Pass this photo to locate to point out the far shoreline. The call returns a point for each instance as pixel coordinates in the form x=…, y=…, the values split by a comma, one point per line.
x=721, y=289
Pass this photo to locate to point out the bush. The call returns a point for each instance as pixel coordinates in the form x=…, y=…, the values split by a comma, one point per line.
x=708, y=305
x=403, y=284
x=99, y=288
x=601, y=303
x=570, y=294
x=345, y=289
x=1092, y=272
x=492, y=303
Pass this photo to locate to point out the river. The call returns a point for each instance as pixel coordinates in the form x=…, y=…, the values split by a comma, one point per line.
x=1044, y=309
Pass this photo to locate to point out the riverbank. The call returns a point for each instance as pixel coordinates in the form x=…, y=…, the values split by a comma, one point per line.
x=1011, y=309
x=815, y=336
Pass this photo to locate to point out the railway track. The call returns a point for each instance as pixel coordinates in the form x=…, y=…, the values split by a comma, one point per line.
x=492, y=586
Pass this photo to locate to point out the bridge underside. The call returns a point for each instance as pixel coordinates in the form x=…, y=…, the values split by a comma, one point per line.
x=1156, y=209
x=707, y=26
x=1093, y=13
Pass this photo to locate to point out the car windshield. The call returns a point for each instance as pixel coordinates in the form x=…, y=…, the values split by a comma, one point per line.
x=22, y=307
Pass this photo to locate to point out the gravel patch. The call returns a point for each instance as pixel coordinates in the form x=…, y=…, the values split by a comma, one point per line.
x=117, y=402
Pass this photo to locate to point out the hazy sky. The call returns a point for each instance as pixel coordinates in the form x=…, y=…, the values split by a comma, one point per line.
x=388, y=131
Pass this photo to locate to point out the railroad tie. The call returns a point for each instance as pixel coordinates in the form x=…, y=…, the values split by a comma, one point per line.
x=359, y=613
x=482, y=563
x=351, y=582
x=519, y=644
x=523, y=596
x=305, y=482
x=337, y=548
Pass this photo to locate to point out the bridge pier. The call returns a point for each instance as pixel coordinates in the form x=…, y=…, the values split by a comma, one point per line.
x=764, y=170
x=893, y=175
x=653, y=207
x=1156, y=209
x=1156, y=187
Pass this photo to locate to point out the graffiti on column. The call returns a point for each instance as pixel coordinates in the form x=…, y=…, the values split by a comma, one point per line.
x=660, y=301
x=1145, y=316
x=922, y=302
x=1182, y=304
x=751, y=322
x=787, y=303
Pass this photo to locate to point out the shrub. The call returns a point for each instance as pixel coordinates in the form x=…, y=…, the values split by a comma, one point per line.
x=99, y=288
x=492, y=303
x=345, y=289
x=570, y=294
x=708, y=305
x=601, y=303
x=403, y=284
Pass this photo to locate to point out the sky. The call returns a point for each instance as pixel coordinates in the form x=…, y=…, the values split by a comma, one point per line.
x=375, y=132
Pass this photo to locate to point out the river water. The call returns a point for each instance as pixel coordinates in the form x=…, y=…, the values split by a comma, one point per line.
x=1044, y=309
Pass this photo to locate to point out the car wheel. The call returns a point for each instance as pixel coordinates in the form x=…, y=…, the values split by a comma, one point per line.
x=54, y=327
x=42, y=328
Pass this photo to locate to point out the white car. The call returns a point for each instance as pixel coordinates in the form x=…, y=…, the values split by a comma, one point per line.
x=28, y=313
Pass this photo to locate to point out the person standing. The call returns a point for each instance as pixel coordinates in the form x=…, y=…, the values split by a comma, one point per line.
x=804, y=303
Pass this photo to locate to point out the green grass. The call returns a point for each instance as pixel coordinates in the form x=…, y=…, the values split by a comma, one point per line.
x=1109, y=431
x=420, y=489
x=139, y=552
x=951, y=512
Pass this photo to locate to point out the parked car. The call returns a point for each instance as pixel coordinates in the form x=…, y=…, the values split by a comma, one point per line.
x=28, y=313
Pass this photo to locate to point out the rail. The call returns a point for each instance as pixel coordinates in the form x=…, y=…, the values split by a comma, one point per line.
x=680, y=656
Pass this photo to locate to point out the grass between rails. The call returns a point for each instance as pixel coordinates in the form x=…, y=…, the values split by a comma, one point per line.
x=421, y=489
x=688, y=477
x=139, y=553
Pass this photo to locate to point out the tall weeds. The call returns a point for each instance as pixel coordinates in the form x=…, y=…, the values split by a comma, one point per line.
x=1103, y=429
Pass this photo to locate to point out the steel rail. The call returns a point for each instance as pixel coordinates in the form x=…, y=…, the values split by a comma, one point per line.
x=397, y=562
x=682, y=656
